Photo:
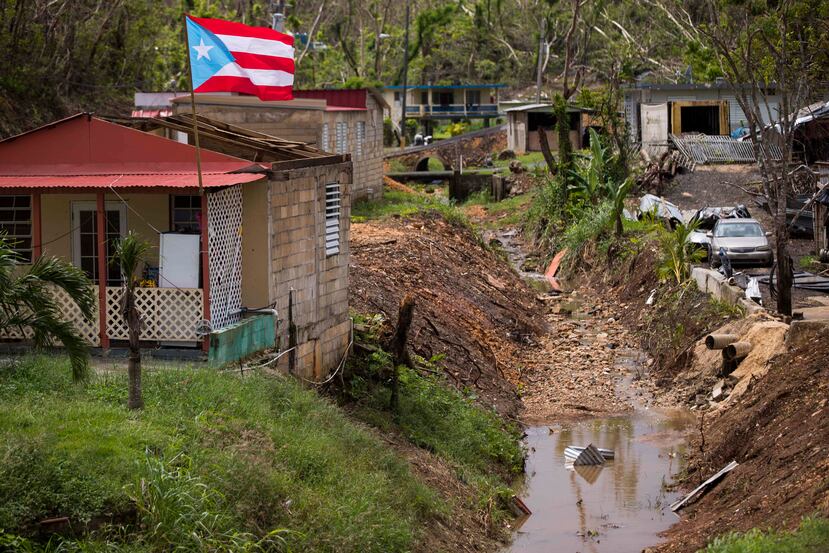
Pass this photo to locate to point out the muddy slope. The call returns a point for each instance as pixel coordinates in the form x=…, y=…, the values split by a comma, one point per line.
x=779, y=433
x=472, y=310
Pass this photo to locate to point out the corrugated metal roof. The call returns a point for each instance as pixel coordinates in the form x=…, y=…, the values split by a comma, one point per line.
x=544, y=107
x=86, y=145
x=149, y=180
x=337, y=98
x=446, y=86
x=87, y=152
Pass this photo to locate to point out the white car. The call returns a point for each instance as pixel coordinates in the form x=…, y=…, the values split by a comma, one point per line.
x=743, y=242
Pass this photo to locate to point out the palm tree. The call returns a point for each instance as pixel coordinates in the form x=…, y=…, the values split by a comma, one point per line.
x=27, y=303
x=617, y=197
x=678, y=253
x=128, y=254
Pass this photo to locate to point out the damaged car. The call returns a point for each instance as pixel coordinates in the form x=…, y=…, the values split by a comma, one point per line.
x=707, y=217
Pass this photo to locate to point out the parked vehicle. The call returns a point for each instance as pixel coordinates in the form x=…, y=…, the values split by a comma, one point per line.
x=707, y=217
x=742, y=240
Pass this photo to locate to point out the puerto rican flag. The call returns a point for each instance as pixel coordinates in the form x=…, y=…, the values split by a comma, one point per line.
x=232, y=57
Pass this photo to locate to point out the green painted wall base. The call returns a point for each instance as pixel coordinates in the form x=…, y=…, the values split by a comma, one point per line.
x=241, y=340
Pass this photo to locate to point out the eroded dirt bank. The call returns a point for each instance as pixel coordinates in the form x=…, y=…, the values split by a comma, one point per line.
x=600, y=350
x=472, y=312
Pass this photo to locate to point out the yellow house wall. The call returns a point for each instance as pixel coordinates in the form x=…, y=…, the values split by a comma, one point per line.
x=56, y=219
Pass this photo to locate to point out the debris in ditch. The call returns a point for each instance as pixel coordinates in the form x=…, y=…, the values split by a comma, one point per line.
x=590, y=473
x=651, y=298
x=518, y=507
x=717, y=392
x=700, y=490
x=552, y=270
x=753, y=291
x=590, y=455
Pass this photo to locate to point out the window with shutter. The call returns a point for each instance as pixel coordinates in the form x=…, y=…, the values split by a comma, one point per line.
x=325, y=138
x=361, y=138
x=332, y=218
x=342, y=138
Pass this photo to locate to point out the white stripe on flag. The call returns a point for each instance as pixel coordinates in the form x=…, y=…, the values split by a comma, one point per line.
x=259, y=77
x=257, y=46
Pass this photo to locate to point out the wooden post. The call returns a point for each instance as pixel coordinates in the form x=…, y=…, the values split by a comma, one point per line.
x=37, y=234
x=193, y=107
x=205, y=269
x=101, y=233
x=292, y=333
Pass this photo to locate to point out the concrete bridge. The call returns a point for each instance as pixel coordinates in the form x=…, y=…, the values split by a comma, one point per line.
x=474, y=147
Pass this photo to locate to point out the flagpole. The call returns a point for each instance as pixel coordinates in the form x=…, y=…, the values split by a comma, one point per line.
x=193, y=107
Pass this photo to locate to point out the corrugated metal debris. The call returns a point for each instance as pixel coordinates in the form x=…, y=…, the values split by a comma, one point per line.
x=804, y=280
x=703, y=148
x=590, y=455
x=702, y=488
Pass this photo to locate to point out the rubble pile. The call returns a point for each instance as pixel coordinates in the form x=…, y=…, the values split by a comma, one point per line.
x=587, y=365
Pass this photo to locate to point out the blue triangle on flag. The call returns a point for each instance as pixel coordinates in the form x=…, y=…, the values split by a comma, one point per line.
x=207, y=53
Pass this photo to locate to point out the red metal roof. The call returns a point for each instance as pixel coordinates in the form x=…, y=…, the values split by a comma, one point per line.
x=339, y=98
x=151, y=180
x=84, y=151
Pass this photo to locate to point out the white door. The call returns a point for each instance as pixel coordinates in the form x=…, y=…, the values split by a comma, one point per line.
x=85, y=237
x=654, y=127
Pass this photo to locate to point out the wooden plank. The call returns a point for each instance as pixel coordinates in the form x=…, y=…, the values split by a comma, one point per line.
x=725, y=125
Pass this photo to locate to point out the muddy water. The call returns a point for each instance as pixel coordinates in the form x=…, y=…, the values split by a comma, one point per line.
x=620, y=507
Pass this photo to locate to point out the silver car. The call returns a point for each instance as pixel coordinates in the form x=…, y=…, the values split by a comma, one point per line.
x=743, y=241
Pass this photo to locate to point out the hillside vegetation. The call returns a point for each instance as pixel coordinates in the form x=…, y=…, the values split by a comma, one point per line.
x=62, y=56
x=220, y=462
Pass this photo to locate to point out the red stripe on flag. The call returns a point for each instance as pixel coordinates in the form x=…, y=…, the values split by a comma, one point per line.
x=221, y=27
x=260, y=61
x=244, y=86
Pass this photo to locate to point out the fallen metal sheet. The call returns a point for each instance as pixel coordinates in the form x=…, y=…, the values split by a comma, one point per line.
x=702, y=488
x=804, y=280
x=664, y=209
x=589, y=455
x=589, y=473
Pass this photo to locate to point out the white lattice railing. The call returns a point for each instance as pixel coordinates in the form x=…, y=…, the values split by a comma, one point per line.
x=224, y=231
x=167, y=314
x=70, y=312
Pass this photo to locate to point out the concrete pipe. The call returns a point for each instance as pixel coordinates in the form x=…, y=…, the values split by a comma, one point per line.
x=737, y=350
x=720, y=341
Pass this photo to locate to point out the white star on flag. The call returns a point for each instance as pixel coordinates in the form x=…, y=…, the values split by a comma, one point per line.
x=203, y=50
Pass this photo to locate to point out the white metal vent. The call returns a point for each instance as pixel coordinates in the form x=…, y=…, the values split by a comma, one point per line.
x=361, y=138
x=332, y=218
x=342, y=138
x=325, y=138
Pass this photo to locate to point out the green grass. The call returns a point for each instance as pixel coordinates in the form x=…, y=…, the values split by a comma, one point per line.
x=811, y=537
x=526, y=159
x=213, y=462
x=394, y=203
x=481, y=448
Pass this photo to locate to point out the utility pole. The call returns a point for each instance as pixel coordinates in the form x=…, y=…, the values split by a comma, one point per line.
x=278, y=15
x=405, y=80
x=542, y=43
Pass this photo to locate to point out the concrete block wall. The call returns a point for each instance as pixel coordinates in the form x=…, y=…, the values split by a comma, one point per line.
x=368, y=164
x=299, y=263
x=288, y=123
